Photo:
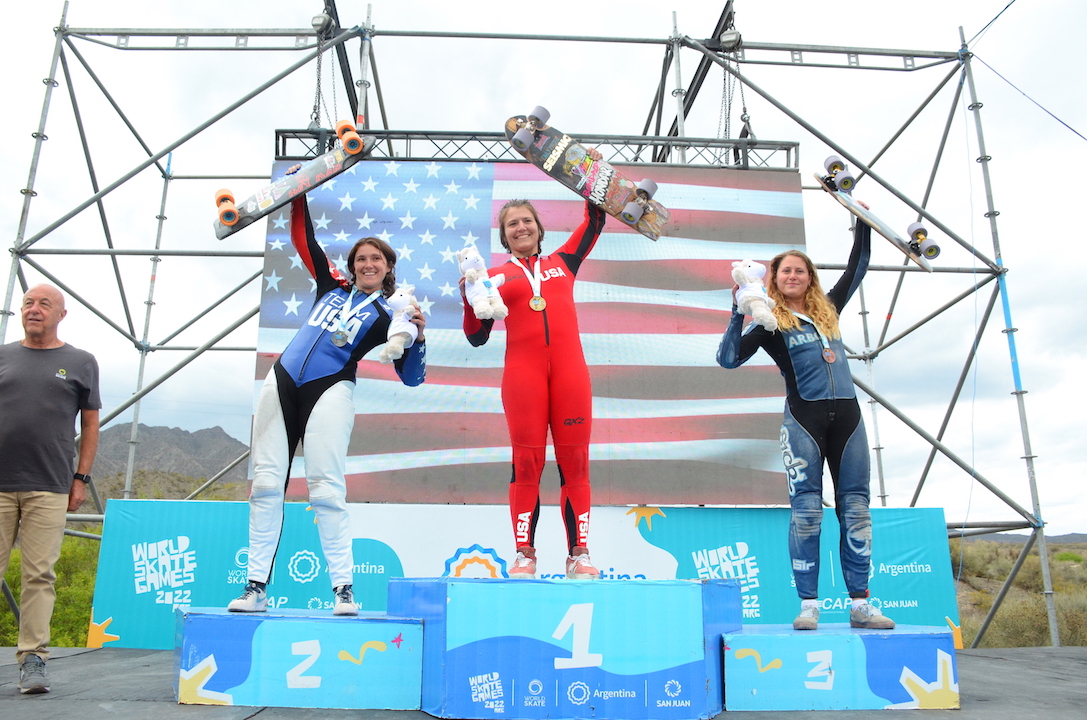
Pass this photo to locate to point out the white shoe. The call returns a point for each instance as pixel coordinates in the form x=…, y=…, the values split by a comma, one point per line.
x=580, y=567
x=253, y=599
x=345, y=601
x=868, y=617
x=808, y=619
x=524, y=567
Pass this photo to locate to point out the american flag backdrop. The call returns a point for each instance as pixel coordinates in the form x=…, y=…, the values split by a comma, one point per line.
x=669, y=425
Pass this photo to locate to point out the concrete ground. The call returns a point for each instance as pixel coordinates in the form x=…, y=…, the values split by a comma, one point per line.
x=117, y=683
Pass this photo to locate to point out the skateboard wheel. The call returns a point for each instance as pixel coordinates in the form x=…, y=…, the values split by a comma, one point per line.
x=834, y=165
x=522, y=139
x=223, y=196
x=352, y=143
x=632, y=213
x=539, y=115
x=647, y=188
x=845, y=181
x=344, y=126
x=228, y=214
x=917, y=232
x=930, y=249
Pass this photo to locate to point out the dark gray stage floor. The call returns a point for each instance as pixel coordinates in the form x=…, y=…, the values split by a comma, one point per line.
x=1000, y=684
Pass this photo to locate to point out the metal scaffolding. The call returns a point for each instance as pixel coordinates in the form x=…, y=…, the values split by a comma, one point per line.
x=724, y=47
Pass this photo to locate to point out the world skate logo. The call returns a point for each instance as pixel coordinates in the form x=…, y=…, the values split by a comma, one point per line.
x=304, y=566
x=535, y=696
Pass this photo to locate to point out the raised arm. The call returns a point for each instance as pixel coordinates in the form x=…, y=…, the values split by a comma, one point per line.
x=313, y=257
x=856, y=267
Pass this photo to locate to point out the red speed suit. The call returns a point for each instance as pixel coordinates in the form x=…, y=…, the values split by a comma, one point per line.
x=546, y=383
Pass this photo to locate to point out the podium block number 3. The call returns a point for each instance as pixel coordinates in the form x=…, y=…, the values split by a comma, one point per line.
x=580, y=618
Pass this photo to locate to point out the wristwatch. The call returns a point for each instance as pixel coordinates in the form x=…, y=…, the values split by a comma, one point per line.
x=85, y=478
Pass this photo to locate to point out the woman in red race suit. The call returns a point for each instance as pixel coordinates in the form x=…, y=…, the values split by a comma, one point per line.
x=546, y=380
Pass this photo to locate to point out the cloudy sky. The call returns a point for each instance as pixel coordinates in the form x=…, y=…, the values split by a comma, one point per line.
x=456, y=85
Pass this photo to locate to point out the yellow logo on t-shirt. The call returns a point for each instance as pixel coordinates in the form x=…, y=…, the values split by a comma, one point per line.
x=62, y=374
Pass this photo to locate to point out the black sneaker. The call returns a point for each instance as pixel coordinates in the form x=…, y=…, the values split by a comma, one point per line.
x=345, y=601
x=32, y=677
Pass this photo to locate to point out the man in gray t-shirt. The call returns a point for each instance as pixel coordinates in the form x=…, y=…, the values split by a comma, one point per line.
x=44, y=384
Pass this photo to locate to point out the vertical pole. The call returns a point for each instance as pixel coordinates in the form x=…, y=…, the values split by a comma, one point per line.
x=28, y=191
x=873, y=406
x=133, y=438
x=679, y=92
x=1009, y=332
x=364, y=71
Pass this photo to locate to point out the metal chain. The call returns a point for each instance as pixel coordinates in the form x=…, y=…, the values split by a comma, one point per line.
x=335, y=110
x=724, y=122
x=743, y=101
x=315, y=116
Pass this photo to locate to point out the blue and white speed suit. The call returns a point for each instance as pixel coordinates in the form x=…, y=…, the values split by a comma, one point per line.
x=822, y=422
x=309, y=396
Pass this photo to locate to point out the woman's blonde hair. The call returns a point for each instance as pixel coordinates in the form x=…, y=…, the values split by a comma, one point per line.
x=817, y=305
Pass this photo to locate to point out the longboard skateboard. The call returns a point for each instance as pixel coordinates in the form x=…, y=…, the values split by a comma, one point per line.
x=839, y=183
x=566, y=160
x=234, y=217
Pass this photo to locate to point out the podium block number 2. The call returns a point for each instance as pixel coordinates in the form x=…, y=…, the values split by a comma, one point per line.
x=295, y=678
x=580, y=618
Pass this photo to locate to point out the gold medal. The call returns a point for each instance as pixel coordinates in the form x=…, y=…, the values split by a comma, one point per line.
x=829, y=355
x=537, y=303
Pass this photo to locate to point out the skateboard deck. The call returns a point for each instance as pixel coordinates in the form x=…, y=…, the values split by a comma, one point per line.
x=277, y=194
x=866, y=216
x=566, y=160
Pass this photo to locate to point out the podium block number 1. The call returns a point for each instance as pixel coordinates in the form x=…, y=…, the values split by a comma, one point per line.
x=580, y=618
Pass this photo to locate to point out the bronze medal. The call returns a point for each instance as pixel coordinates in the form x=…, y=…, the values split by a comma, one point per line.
x=537, y=303
x=829, y=355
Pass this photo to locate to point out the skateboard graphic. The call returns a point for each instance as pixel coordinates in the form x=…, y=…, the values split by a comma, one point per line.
x=839, y=183
x=566, y=160
x=233, y=217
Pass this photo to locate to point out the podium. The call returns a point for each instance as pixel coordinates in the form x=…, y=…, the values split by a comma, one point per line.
x=293, y=658
x=570, y=649
x=773, y=667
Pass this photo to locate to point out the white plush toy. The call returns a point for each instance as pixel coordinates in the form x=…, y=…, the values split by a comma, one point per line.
x=402, y=333
x=480, y=289
x=751, y=297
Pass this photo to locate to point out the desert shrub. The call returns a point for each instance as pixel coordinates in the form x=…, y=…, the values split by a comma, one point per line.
x=76, y=570
x=1068, y=556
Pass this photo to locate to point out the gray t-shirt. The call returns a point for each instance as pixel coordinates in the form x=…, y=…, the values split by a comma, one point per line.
x=41, y=393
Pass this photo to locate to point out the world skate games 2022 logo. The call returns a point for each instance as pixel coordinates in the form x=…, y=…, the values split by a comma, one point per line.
x=487, y=689
x=165, y=567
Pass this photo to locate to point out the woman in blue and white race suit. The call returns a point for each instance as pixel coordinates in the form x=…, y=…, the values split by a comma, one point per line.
x=822, y=421
x=309, y=397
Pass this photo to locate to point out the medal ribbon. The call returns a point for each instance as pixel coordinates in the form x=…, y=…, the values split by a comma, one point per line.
x=345, y=311
x=822, y=338
x=535, y=276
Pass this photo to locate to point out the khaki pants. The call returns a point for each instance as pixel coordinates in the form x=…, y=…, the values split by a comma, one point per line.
x=37, y=519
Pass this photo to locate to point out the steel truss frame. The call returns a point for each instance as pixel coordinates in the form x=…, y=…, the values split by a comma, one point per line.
x=724, y=48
